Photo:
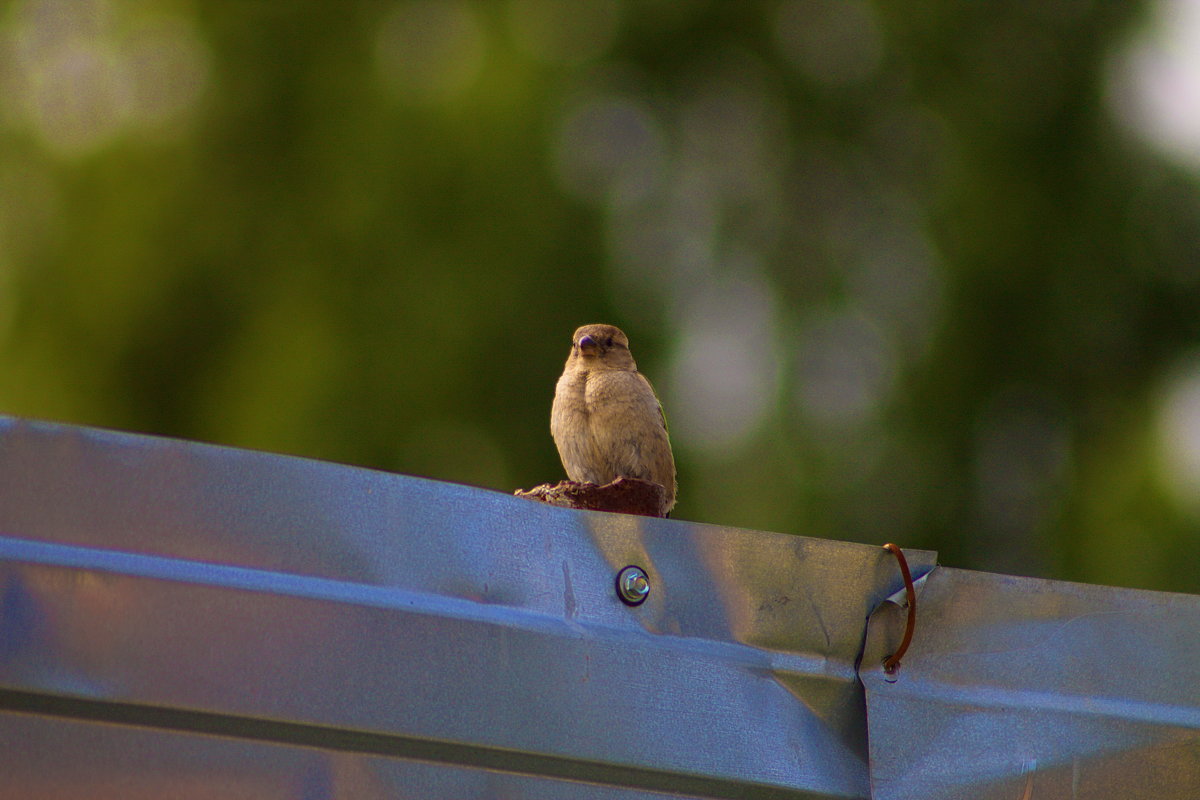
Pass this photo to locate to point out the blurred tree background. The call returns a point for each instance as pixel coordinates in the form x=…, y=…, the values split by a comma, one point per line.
x=925, y=272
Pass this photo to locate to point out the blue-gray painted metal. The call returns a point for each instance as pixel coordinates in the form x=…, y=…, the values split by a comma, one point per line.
x=1018, y=688
x=179, y=619
x=186, y=620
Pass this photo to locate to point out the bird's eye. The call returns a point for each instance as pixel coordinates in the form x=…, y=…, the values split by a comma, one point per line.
x=608, y=342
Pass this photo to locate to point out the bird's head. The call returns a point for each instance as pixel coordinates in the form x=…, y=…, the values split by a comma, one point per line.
x=602, y=346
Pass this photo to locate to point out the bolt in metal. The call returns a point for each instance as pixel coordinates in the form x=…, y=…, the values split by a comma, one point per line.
x=633, y=585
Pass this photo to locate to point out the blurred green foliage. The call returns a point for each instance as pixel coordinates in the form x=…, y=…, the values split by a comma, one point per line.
x=897, y=269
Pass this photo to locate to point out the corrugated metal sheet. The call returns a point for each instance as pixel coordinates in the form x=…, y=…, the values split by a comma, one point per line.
x=185, y=620
x=1022, y=688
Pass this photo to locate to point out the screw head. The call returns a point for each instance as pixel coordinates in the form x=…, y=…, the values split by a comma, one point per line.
x=633, y=585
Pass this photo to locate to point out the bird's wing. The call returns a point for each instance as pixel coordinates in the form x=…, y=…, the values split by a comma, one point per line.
x=662, y=417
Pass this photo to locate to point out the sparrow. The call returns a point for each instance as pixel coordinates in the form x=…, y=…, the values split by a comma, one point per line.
x=606, y=420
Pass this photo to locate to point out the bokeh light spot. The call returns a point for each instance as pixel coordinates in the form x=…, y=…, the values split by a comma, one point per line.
x=665, y=241
x=844, y=369
x=732, y=130
x=895, y=282
x=723, y=378
x=609, y=149
x=74, y=90
x=1155, y=83
x=77, y=79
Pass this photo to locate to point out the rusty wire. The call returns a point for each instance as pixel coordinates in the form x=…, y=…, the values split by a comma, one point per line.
x=892, y=662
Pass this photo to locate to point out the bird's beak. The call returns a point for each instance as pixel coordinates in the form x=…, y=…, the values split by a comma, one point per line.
x=588, y=345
